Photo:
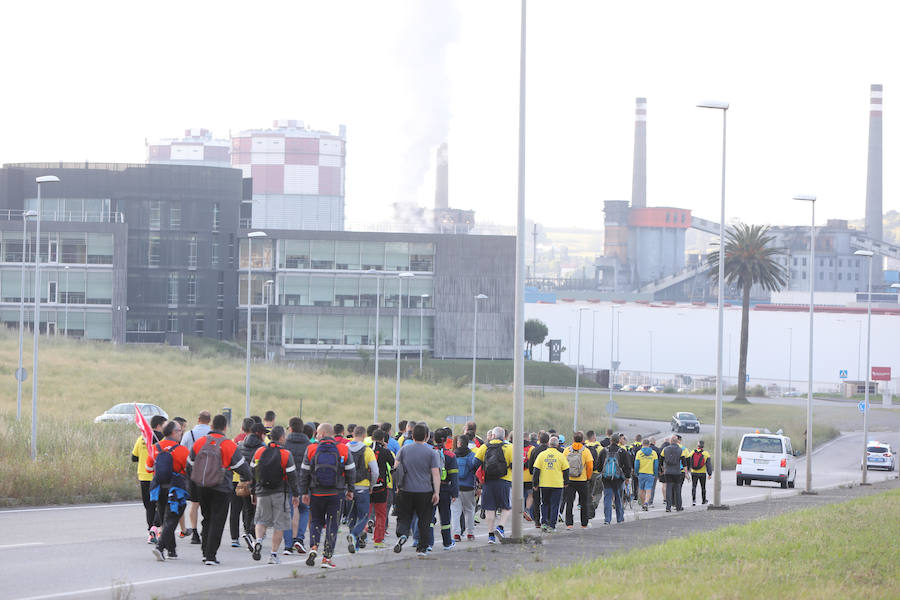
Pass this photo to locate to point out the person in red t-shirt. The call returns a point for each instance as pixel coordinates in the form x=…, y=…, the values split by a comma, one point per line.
x=169, y=512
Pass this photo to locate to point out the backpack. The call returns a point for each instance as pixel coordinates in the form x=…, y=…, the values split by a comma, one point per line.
x=327, y=465
x=270, y=472
x=495, y=465
x=672, y=460
x=208, y=471
x=359, y=459
x=443, y=462
x=594, y=458
x=525, y=450
x=164, y=466
x=384, y=469
x=698, y=461
x=611, y=468
x=576, y=465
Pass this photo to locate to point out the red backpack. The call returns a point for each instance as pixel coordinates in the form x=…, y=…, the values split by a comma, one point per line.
x=698, y=461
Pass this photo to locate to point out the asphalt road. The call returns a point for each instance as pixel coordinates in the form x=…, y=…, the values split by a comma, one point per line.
x=87, y=551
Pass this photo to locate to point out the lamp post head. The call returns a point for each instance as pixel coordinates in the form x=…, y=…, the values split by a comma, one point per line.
x=47, y=179
x=867, y=253
x=481, y=297
x=426, y=296
x=29, y=214
x=804, y=197
x=405, y=274
x=895, y=285
x=257, y=234
x=713, y=104
x=268, y=282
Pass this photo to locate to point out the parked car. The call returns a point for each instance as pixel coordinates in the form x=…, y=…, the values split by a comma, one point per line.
x=766, y=457
x=682, y=390
x=879, y=456
x=643, y=388
x=684, y=422
x=629, y=388
x=617, y=386
x=657, y=389
x=124, y=413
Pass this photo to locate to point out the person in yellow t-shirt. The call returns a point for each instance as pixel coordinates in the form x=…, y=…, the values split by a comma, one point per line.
x=139, y=455
x=581, y=465
x=700, y=467
x=646, y=468
x=497, y=458
x=550, y=475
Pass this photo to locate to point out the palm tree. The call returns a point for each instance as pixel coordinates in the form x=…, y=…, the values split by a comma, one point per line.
x=749, y=261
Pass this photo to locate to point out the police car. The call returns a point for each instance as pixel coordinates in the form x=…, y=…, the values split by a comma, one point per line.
x=879, y=456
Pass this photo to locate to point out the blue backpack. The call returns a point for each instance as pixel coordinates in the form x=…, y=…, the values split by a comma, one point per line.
x=164, y=466
x=611, y=468
x=327, y=465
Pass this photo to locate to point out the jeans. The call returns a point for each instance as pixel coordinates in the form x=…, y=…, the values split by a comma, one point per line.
x=214, y=508
x=465, y=508
x=416, y=504
x=701, y=478
x=359, y=511
x=289, y=536
x=170, y=520
x=611, y=494
x=673, y=491
x=550, y=498
x=324, y=511
x=584, y=499
x=444, y=504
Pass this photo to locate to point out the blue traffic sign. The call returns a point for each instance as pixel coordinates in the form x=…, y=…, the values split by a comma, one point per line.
x=842, y=373
x=612, y=407
x=862, y=407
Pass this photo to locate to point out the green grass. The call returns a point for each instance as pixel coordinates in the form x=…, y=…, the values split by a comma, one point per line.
x=788, y=556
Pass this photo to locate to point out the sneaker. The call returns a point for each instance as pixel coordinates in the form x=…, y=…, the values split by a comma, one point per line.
x=585, y=527
x=527, y=517
x=499, y=531
x=470, y=538
x=645, y=507
x=195, y=537
x=159, y=555
x=184, y=533
x=456, y=537
x=399, y=545
x=450, y=547
x=211, y=562
x=421, y=554
x=693, y=504
x=704, y=502
x=288, y=551
x=378, y=545
x=429, y=549
x=545, y=528
x=311, y=557
x=668, y=509
x=299, y=548
x=362, y=541
x=351, y=543
x=679, y=509
x=172, y=555
x=235, y=543
x=257, y=550
x=370, y=526
x=492, y=539
x=274, y=559
x=249, y=540
x=327, y=563
x=154, y=535
x=568, y=528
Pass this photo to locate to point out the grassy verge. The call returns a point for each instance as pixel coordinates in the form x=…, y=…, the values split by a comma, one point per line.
x=789, y=556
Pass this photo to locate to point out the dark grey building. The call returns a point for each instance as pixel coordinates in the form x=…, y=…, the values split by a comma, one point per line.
x=181, y=223
x=325, y=286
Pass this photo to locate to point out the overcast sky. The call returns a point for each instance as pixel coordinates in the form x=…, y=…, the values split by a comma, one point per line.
x=93, y=80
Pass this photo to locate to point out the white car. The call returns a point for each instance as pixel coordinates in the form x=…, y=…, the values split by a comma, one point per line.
x=124, y=413
x=766, y=457
x=879, y=456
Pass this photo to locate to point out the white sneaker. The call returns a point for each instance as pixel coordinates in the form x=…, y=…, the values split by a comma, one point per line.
x=274, y=559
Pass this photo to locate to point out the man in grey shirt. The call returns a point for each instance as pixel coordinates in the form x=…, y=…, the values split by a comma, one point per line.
x=187, y=440
x=418, y=477
x=672, y=466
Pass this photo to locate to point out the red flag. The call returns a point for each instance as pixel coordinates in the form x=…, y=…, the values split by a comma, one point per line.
x=144, y=426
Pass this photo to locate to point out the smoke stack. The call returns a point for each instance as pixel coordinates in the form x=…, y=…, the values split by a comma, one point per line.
x=874, y=213
x=639, y=173
x=442, y=185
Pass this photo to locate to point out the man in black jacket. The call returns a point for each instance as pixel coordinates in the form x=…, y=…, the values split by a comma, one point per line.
x=613, y=477
x=296, y=442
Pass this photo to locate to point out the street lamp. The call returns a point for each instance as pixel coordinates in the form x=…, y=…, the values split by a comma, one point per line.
x=475, y=350
x=422, y=298
x=250, y=237
x=267, y=292
x=717, y=453
x=377, y=334
x=577, y=371
x=870, y=255
x=66, y=327
x=20, y=372
x=37, y=311
x=400, y=277
x=812, y=289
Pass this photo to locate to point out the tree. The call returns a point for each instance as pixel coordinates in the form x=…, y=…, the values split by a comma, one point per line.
x=535, y=333
x=748, y=261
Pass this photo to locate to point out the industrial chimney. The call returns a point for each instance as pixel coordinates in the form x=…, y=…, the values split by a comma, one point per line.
x=442, y=185
x=874, y=213
x=639, y=172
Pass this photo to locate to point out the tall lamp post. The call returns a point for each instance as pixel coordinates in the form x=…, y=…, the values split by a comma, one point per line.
x=812, y=291
x=475, y=350
x=400, y=277
x=717, y=452
x=20, y=372
x=250, y=237
x=377, y=275
x=422, y=299
x=37, y=311
x=577, y=371
x=865, y=469
x=268, y=294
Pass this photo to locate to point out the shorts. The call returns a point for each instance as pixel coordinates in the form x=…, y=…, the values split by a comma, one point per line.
x=273, y=511
x=495, y=494
x=193, y=493
x=528, y=485
x=645, y=481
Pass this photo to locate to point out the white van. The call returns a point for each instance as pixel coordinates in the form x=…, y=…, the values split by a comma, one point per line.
x=766, y=457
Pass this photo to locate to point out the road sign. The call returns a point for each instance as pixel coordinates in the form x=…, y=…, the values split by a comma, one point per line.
x=458, y=419
x=21, y=374
x=555, y=350
x=842, y=373
x=881, y=373
x=748, y=378
x=615, y=365
x=862, y=407
x=612, y=407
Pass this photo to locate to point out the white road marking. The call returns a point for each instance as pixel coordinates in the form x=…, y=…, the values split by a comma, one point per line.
x=9, y=546
x=49, y=508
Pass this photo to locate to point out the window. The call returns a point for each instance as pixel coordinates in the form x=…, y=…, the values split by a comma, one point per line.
x=346, y=291
x=214, y=254
x=804, y=261
x=73, y=248
x=396, y=256
x=152, y=251
x=840, y=276
x=100, y=248
x=216, y=216
x=421, y=257
x=74, y=282
x=220, y=293
x=172, y=323
x=321, y=291
x=192, y=289
x=857, y=277
x=857, y=264
x=98, y=326
x=294, y=254
x=761, y=444
x=346, y=256
x=294, y=290
x=262, y=253
x=172, y=289
x=821, y=275
x=175, y=217
x=154, y=215
x=192, y=253
x=372, y=255
x=99, y=288
x=795, y=261
x=321, y=254
x=198, y=325
x=804, y=275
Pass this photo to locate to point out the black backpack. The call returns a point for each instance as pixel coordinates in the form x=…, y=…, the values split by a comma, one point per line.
x=269, y=470
x=362, y=469
x=164, y=466
x=495, y=465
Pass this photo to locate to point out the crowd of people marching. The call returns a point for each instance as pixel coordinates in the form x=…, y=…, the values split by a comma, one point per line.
x=296, y=484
